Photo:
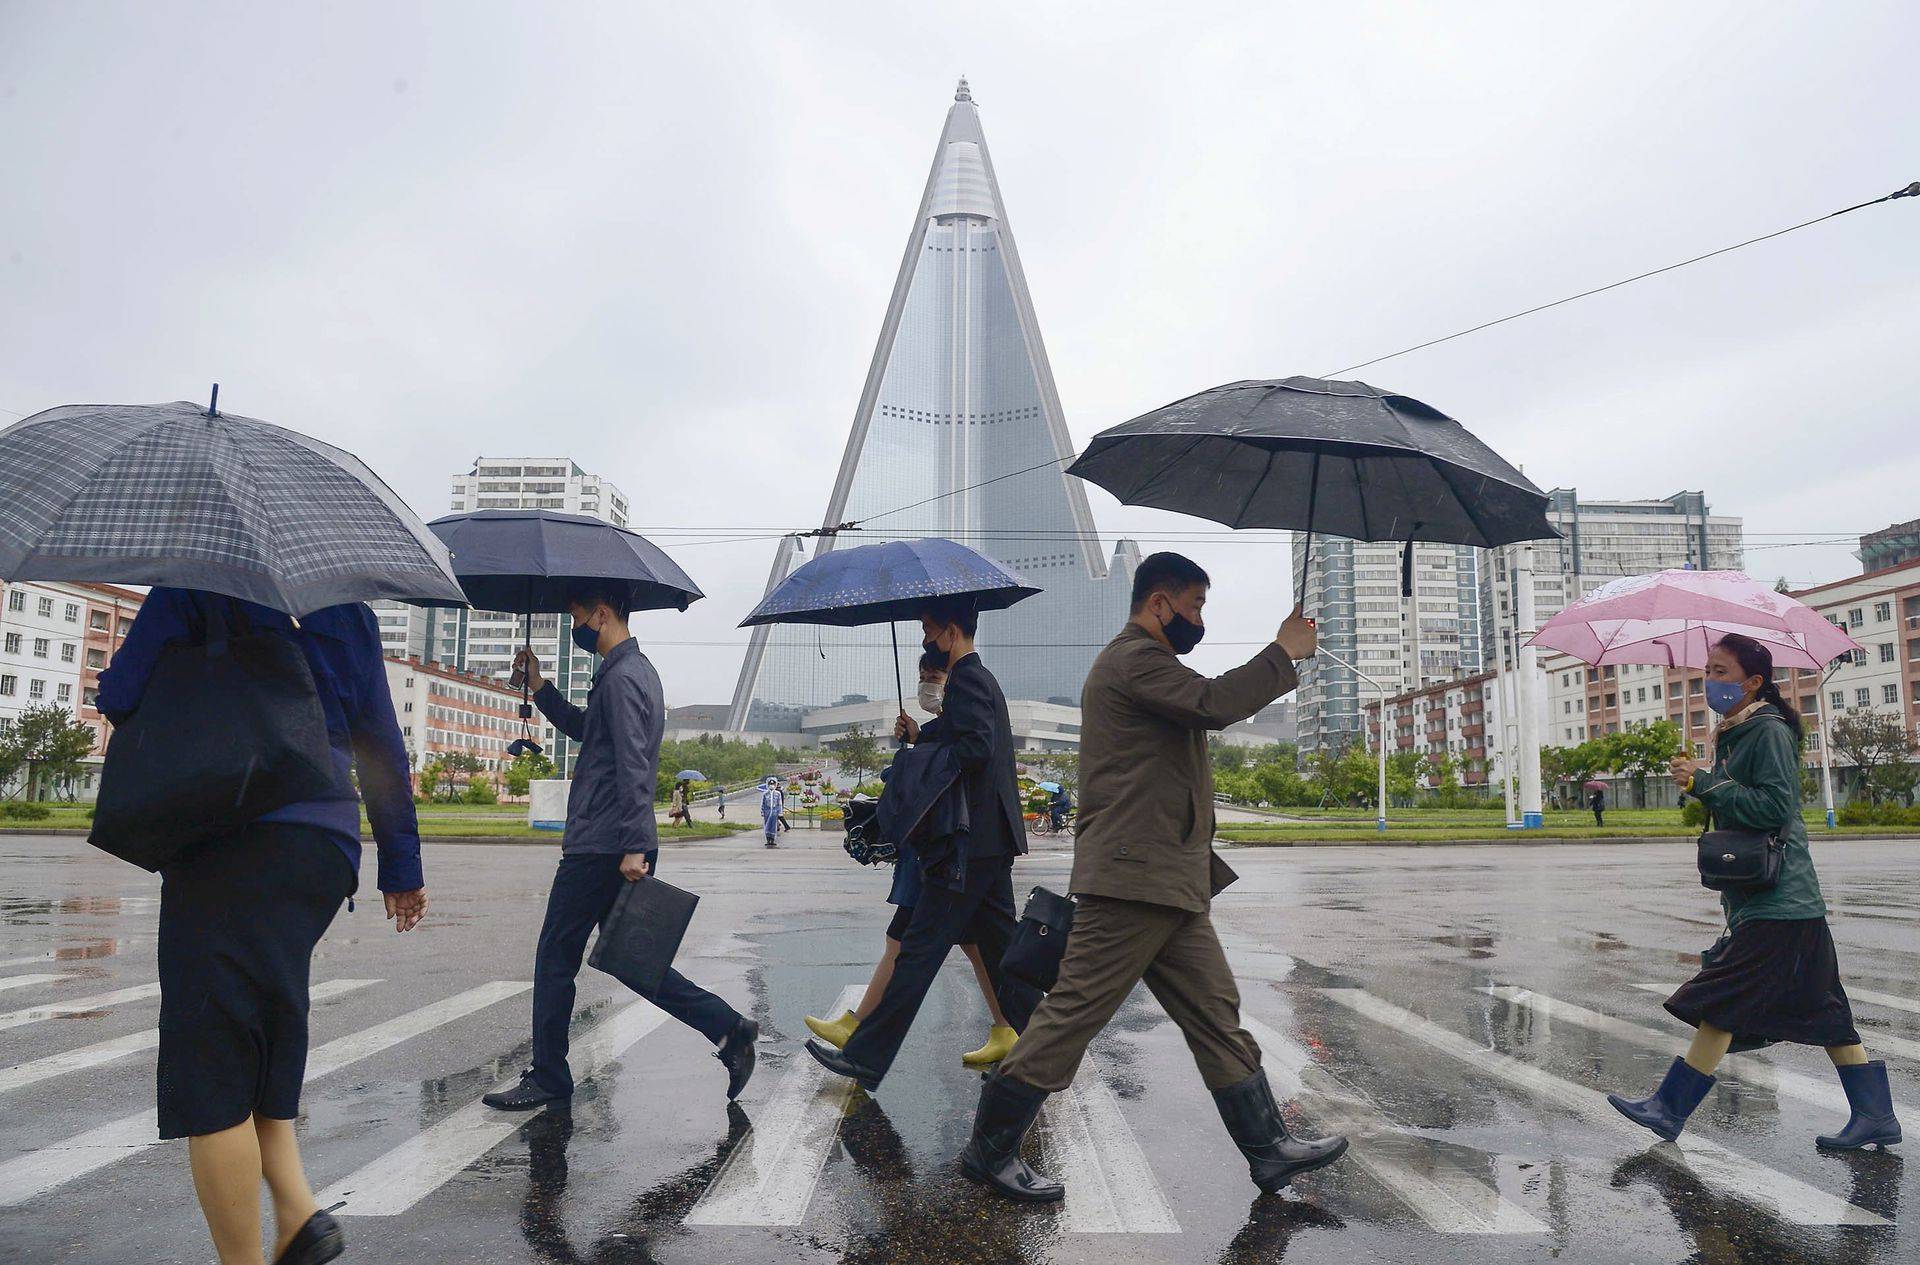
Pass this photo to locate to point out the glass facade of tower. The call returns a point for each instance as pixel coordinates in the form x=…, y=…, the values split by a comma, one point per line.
x=964, y=400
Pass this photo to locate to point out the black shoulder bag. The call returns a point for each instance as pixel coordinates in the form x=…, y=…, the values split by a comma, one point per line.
x=1739, y=860
x=863, y=842
x=1040, y=941
x=229, y=728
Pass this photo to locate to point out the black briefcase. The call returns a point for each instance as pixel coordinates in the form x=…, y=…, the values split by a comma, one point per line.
x=229, y=728
x=642, y=934
x=1040, y=941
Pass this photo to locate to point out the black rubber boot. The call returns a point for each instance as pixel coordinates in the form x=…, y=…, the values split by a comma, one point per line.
x=1274, y=1156
x=992, y=1158
x=1667, y=1111
x=1871, y=1098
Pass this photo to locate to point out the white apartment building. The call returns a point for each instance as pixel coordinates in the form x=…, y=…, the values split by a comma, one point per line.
x=442, y=710
x=1354, y=590
x=1470, y=717
x=43, y=634
x=1881, y=611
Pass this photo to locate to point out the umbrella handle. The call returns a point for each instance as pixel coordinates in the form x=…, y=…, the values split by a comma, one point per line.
x=1306, y=555
x=899, y=690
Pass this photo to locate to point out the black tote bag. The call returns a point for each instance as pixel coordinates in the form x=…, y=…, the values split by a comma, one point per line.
x=642, y=933
x=1040, y=941
x=229, y=728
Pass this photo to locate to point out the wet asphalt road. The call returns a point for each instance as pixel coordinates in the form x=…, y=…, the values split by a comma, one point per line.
x=1459, y=1010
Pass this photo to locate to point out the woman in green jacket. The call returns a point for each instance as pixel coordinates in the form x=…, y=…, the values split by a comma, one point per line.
x=1775, y=977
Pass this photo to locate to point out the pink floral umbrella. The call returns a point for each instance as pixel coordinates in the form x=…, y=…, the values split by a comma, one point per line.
x=1674, y=618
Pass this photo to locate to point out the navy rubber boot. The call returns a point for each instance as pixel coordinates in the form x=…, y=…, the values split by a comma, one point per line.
x=1666, y=1112
x=1871, y=1098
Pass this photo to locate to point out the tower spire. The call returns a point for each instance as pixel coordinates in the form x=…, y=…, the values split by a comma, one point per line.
x=963, y=93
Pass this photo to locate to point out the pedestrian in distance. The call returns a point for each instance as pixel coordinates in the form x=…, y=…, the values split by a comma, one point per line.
x=1775, y=975
x=772, y=802
x=610, y=841
x=965, y=897
x=720, y=800
x=1144, y=876
x=677, y=807
x=240, y=916
x=1597, y=801
x=904, y=895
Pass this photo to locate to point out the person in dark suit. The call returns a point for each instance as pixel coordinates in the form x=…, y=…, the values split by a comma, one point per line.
x=967, y=898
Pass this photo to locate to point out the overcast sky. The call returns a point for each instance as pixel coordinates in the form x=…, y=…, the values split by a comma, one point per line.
x=660, y=239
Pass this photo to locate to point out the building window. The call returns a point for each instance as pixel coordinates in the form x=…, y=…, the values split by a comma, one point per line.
x=1855, y=618
x=1863, y=697
x=96, y=659
x=1640, y=695
x=124, y=625
x=1886, y=652
x=1889, y=693
x=1882, y=612
x=45, y=607
x=1613, y=700
x=72, y=613
x=90, y=696
x=1656, y=693
x=65, y=693
x=36, y=688
x=13, y=643
x=1838, y=698
x=66, y=652
x=97, y=621
x=40, y=647
x=16, y=601
x=8, y=685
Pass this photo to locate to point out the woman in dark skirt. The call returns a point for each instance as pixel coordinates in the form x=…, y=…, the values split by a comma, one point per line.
x=240, y=916
x=1775, y=976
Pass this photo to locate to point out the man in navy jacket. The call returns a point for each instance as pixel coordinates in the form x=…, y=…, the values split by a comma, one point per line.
x=967, y=899
x=610, y=841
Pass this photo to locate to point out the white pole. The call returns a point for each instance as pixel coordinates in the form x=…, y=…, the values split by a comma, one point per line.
x=1503, y=692
x=1531, y=817
x=1826, y=749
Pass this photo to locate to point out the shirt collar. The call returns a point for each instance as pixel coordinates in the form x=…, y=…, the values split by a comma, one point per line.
x=613, y=656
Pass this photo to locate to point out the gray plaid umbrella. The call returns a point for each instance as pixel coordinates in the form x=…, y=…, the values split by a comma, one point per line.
x=180, y=495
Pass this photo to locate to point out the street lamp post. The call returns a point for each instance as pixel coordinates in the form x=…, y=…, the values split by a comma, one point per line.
x=1380, y=818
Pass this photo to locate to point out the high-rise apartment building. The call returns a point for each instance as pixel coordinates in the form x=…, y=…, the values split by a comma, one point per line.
x=1354, y=590
x=959, y=432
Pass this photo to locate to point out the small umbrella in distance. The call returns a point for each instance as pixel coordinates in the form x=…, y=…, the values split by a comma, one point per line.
x=528, y=561
x=1303, y=454
x=186, y=496
x=882, y=583
x=689, y=775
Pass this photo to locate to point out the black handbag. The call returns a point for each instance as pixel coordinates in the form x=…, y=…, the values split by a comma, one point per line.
x=642, y=934
x=229, y=728
x=1040, y=941
x=863, y=842
x=1739, y=860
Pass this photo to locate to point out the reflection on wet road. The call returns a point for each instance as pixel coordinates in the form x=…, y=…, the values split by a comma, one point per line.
x=1459, y=1012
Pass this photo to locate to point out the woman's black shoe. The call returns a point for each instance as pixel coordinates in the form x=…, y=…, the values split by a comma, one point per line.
x=1274, y=1156
x=316, y=1241
x=992, y=1158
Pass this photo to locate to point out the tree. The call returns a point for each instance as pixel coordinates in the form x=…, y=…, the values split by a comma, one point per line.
x=1897, y=779
x=1403, y=775
x=526, y=769
x=1871, y=741
x=429, y=778
x=480, y=791
x=858, y=753
x=51, y=746
x=1642, y=751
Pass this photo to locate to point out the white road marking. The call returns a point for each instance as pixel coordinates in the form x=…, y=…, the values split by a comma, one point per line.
x=396, y=1181
x=22, y=1074
x=78, y=1006
x=1875, y=1040
x=1448, y=1198
x=26, y=981
x=30, y=958
x=1714, y=1165
x=1111, y=1188
x=1888, y=1000
x=769, y=1177
x=39, y=1171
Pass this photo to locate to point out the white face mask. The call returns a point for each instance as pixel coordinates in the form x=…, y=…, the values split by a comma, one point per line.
x=931, y=696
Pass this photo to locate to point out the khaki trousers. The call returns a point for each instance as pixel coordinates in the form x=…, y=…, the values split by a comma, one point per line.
x=1116, y=944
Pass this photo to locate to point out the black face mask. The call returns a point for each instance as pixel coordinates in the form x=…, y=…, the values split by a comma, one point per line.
x=932, y=647
x=1182, y=633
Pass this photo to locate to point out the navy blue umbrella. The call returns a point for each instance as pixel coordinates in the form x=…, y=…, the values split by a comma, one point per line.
x=881, y=583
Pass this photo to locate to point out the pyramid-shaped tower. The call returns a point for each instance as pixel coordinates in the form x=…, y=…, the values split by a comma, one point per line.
x=959, y=398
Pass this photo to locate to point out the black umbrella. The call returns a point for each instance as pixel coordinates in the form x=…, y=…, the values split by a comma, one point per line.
x=1339, y=458
x=527, y=561
x=181, y=495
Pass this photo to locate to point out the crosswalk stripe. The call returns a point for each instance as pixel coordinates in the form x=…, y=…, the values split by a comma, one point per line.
x=1714, y=1165
x=1449, y=1199
x=26, y=981
x=30, y=958
x=39, y=1171
x=1821, y=1093
x=1889, y=1000
x=1111, y=1188
x=77, y=1006
x=769, y=1178
x=1884, y=1042
x=394, y=1182
x=23, y=1074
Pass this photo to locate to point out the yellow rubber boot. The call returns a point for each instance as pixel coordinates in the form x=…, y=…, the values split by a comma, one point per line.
x=999, y=1045
x=834, y=1032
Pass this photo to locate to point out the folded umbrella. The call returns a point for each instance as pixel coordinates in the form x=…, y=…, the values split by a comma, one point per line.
x=881, y=583
x=186, y=496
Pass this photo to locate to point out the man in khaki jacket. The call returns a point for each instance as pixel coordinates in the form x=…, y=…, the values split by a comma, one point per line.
x=1144, y=876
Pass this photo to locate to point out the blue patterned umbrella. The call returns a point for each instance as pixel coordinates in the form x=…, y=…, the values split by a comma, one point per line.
x=878, y=584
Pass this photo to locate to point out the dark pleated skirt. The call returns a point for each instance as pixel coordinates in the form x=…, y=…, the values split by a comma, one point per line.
x=1777, y=979
x=239, y=918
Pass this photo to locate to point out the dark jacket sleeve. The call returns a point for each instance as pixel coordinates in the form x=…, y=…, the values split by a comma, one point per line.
x=380, y=758
x=966, y=721
x=1772, y=799
x=568, y=719
x=634, y=756
x=163, y=618
x=1164, y=685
